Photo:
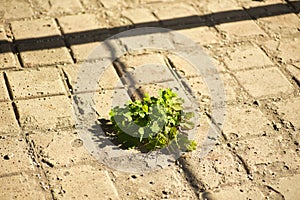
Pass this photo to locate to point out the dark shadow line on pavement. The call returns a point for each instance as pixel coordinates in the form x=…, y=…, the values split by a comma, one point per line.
x=213, y=19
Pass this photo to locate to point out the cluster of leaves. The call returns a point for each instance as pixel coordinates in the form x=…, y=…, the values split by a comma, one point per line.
x=153, y=123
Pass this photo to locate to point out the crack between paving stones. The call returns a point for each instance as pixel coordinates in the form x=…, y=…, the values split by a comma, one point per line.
x=10, y=93
x=120, y=69
x=35, y=159
x=67, y=44
x=276, y=191
x=244, y=164
x=196, y=185
x=296, y=81
x=68, y=82
x=15, y=49
x=180, y=81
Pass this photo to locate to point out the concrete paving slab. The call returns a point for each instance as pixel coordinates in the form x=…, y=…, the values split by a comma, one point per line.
x=15, y=155
x=36, y=83
x=3, y=89
x=45, y=113
x=38, y=28
x=264, y=82
x=8, y=120
x=42, y=55
x=82, y=181
x=245, y=121
x=289, y=110
x=59, y=148
x=162, y=184
x=15, y=9
x=246, y=56
x=7, y=58
x=22, y=186
x=285, y=50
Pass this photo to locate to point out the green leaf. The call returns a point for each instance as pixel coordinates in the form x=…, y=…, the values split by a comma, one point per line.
x=141, y=132
x=188, y=115
x=155, y=128
x=187, y=125
x=145, y=108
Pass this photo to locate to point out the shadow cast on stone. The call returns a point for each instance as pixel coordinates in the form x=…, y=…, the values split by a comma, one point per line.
x=104, y=135
x=84, y=37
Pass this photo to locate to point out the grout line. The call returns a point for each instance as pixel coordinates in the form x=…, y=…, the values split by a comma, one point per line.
x=67, y=82
x=10, y=93
x=65, y=40
x=35, y=158
x=11, y=97
x=39, y=97
x=15, y=48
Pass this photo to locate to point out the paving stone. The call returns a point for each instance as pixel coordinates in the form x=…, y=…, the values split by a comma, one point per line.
x=59, y=148
x=235, y=192
x=281, y=24
x=268, y=157
x=264, y=82
x=234, y=28
x=138, y=91
x=84, y=47
x=110, y=4
x=54, y=8
x=109, y=78
x=244, y=121
x=83, y=182
x=107, y=99
x=184, y=68
x=202, y=90
x=8, y=122
x=43, y=53
x=294, y=69
x=154, y=185
x=148, y=73
x=35, y=83
x=38, y=28
x=3, y=35
x=203, y=132
x=219, y=6
x=288, y=186
x=3, y=89
x=252, y=4
x=7, y=58
x=154, y=1
x=22, y=186
x=84, y=52
x=140, y=43
x=139, y=15
x=290, y=111
x=246, y=56
x=15, y=9
x=14, y=155
x=266, y=8
x=295, y=4
x=88, y=22
x=218, y=167
x=45, y=113
x=286, y=49
x=144, y=69
x=202, y=35
x=91, y=4
x=140, y=60
x=68, y=6
x=175, y=14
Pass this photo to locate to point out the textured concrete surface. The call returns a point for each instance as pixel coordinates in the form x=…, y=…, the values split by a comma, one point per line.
x=255, y=46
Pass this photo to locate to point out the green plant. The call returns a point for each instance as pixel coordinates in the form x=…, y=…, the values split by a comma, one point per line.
x=153, y=123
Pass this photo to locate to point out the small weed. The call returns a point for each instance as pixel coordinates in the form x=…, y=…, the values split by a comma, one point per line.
x=153, y=123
